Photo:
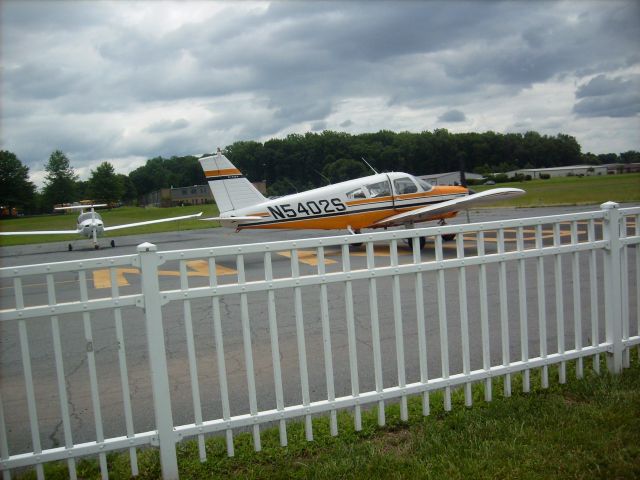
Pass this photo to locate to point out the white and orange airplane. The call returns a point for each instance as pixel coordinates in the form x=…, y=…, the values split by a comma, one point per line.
x=376, y=201
x=91, y=225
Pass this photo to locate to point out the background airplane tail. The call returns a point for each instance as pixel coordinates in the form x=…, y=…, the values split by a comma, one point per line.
x=229, y=186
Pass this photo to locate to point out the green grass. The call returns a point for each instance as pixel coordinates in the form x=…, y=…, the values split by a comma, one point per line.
x=595, y=190
x=587, y=428
x=116, y=216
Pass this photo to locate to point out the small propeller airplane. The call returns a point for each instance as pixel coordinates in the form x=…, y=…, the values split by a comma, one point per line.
x=377, y=201
x=91, y=225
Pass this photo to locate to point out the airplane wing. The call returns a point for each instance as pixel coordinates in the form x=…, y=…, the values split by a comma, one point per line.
x=42, y=232
x=149, y=222
x=231, y=222
x=463, y=203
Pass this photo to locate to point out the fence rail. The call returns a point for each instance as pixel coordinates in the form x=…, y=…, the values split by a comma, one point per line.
x=506, y=297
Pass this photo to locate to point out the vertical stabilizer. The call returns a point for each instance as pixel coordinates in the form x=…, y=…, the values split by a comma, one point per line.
x=229, y=186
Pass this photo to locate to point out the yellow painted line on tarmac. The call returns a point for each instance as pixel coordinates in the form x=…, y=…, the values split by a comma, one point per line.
x=308, y=257
x=197, y=268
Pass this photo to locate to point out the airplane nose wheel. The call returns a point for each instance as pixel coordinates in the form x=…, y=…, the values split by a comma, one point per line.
x=70, y=247
x=113, y=243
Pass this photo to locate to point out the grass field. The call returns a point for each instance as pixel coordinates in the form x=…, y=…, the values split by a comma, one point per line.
x=586, y=429
x=574, y=190
x=554, y=191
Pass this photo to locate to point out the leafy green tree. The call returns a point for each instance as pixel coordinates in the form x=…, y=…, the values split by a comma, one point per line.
x=60, y=182
x=105, y=185
x=344, y=169
x=16, y=190
x=129, y=193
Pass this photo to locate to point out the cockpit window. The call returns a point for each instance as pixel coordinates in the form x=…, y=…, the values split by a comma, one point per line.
x=87, y=216
x=357, y=193
x=426, y=186
x=404, y=185
x=380, y=189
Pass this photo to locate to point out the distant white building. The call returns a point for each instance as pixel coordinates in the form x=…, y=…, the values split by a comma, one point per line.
x=449, y=178
x=586, y=170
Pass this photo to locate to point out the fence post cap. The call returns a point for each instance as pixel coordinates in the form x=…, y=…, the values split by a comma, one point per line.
x=609, y=205
x=147, y=247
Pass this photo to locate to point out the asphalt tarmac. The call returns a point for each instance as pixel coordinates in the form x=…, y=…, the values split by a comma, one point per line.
x=105, y=345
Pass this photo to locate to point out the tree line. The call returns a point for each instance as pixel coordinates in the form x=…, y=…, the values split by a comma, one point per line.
x=299, y=162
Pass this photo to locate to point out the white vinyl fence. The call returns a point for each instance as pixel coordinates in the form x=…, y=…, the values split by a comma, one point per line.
x=226, y=339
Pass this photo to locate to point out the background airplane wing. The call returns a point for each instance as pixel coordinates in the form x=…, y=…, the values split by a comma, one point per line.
x=42, y=232
x=231, y=222
x=149, y=222
x=463, y=203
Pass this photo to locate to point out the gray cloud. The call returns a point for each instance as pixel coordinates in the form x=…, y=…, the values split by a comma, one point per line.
x=167, y=78
x=452, y=116
x=603, y=96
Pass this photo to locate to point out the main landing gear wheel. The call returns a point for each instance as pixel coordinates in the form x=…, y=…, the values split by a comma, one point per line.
x=113, y=243
x=449, y=236
x=70, y=247
x=96, y=246
x=422, y=241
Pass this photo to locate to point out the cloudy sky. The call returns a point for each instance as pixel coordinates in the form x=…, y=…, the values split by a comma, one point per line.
x=126, y=81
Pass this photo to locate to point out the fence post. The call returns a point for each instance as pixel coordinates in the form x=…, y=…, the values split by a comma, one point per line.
x=149, y=262
x=613, y=285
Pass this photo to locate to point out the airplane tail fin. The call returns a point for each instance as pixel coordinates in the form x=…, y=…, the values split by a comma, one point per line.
x=229, y=186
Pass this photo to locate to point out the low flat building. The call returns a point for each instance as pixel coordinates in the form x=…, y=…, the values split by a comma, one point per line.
x=194, y=195
x=449, y=178
x=178, y=196
x=572, y=170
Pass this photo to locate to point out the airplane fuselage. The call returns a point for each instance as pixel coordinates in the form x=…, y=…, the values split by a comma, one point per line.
x=354, y=204
x=88, y=222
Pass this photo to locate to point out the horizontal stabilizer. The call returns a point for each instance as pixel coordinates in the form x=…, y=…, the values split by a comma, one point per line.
x=80, y=207
x=150, y=222
x=463, y=203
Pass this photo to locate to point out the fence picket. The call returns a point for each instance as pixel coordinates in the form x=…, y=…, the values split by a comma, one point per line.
x=222, y=368
x=421, y=323
x=557, y=241
x=351, y=337
x=542, y=308
x=504, y=313
x=577, y=301
x=191, y=353
x=275, y=349
x=124, y=374
x=375, y=331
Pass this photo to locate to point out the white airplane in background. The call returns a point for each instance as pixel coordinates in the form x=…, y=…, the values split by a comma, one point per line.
x=377, y=201
x=91, y=225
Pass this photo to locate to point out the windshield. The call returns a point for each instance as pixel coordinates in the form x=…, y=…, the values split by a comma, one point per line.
x=87, y=216
x=426, y=186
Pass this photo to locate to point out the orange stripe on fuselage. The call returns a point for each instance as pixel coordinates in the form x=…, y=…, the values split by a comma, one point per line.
x=356, y=220
x=222, y=173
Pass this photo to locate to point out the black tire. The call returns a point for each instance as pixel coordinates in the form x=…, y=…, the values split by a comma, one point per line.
x=96, y=247
x=113, y=243
x=422, y=240
x=449, y=237
x=70, y=247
